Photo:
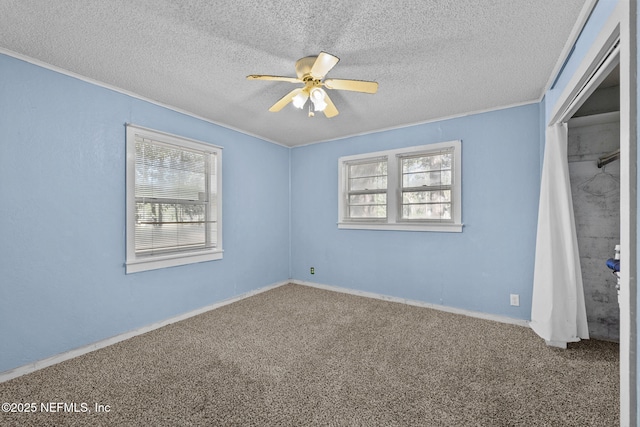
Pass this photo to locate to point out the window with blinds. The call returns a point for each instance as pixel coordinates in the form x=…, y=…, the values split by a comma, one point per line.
x=173, y=201
x=367, y=189
x=414, y=189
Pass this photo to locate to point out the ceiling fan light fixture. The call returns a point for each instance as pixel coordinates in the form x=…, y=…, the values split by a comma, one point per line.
x=311, y=72
x=299, y=100
x=317, y=97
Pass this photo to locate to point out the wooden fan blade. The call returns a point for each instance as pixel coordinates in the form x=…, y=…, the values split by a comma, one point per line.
x=324, y=63
x=285, y=100
x=330, y=110
x=353, y=85
x=276, y=78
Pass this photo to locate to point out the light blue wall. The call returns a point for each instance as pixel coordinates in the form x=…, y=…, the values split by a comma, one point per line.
x=476, y=269
x=62, y=204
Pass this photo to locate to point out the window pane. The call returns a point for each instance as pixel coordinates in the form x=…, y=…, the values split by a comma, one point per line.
x=368, y=176
x=368, y=199
x=164, y=227
x=426, y=179
x=409, y=197
x=371, y=183
x=170, y=173
x=368, y=205
x=425, y=163
x=427, y=170
x=436, y=211
x=360, y=170
x=368, y=211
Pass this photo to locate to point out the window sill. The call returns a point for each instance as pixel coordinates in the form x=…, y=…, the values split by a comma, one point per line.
x=447, y=227
x=173, y=260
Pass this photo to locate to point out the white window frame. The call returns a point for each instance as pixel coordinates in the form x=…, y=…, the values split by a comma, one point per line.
x=137, y=263
x=394, y=191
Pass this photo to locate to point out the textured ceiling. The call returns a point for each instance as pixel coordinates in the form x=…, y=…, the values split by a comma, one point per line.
x=432, y=59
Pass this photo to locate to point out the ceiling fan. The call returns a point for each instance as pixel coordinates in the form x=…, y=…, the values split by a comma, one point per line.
x=311, y=71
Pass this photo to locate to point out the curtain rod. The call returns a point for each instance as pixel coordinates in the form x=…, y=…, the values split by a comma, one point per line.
x=608, y=158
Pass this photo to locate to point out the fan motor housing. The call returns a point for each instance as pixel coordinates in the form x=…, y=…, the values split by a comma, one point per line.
x=304, y=65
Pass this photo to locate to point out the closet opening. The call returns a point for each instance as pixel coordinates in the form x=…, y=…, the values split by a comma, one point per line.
x=594, y=172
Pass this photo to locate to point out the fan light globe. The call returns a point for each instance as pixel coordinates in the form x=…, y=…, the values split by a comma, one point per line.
x=317, y=97
x=299, y=100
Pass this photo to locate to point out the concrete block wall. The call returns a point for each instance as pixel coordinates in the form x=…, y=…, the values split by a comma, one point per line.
x=596, y=200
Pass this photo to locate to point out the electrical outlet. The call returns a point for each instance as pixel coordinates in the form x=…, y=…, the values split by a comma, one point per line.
x=313, y=270
x=515, y=300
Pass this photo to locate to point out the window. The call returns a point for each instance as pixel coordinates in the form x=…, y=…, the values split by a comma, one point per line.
x=173, y=200
x=367, y=189
x=415, y=188
x=426, y=186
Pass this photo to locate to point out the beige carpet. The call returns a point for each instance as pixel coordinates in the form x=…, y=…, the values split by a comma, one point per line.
x=300, y=356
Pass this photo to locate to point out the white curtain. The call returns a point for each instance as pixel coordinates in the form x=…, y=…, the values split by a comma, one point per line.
x=558, y=312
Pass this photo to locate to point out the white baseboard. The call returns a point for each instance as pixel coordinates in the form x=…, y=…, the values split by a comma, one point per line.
x=49, y=361
x=470, y=313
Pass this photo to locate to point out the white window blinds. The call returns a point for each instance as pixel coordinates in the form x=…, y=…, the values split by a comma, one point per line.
x=174, y=191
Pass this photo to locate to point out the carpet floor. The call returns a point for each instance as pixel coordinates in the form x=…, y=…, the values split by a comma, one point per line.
x=301, y=356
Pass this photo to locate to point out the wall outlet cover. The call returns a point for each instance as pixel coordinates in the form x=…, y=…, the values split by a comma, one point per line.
x=515, y=300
